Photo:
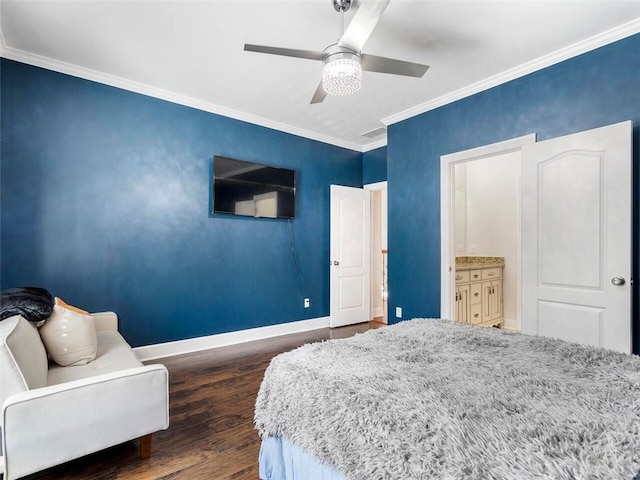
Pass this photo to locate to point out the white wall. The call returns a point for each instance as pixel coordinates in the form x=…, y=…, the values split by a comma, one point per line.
x=493, y=217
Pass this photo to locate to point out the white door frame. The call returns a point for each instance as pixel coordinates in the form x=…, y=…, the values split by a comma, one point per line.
x=447, y=191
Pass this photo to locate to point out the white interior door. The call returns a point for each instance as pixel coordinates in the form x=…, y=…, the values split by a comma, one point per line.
x=576, y=237
x=350, y=255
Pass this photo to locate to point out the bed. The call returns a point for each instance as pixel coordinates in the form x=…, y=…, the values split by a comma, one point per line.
x=435, y=399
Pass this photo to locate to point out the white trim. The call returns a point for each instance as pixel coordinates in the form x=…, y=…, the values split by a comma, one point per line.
x=376, y=186
x=447, y=249
x=169, y=349
x=132, y=86
x=597, y=41
x=491, y=150
x=604, y=38
x=374, y=145
x=511, y=325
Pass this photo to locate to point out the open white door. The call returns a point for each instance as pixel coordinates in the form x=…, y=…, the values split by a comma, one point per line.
x=350, y=255
x=576, y=237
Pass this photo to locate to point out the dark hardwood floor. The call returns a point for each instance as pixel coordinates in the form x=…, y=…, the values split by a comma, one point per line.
x=211, y=434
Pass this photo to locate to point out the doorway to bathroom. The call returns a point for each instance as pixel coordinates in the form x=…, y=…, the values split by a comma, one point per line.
x=481, y=221
x=487, y=231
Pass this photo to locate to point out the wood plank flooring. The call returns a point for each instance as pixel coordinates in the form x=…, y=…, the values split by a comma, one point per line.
x=211, y=435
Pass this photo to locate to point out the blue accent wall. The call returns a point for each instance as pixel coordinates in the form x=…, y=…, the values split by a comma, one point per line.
x=374, y=166
x=595, y=89
x=104, y=195
x=105, y=202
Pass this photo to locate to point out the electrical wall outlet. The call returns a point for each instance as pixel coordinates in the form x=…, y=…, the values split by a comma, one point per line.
x=307, y=303
x=398, y=312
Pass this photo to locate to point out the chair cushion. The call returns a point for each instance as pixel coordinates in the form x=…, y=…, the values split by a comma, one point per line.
x=114, y=354
x=23, y=359
x=70, y=337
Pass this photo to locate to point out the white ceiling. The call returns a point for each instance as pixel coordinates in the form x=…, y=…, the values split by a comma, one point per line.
x=191, y=52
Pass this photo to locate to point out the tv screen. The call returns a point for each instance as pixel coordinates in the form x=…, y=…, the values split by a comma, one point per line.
x=251, y=189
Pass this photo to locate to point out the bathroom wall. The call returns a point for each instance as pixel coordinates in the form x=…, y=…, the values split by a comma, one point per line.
x=492, y=193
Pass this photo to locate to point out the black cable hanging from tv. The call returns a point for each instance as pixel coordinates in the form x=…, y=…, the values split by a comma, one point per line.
x=303, y=286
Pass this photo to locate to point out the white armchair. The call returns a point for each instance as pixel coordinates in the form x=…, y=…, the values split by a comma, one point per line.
x=53, y=414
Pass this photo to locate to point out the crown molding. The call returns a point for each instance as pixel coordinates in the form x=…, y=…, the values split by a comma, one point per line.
x=374, y=145
x=137, y=87
x=602, y=39
x=584, y=46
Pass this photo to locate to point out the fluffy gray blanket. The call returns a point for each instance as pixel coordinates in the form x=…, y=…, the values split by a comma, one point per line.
x=433, y=399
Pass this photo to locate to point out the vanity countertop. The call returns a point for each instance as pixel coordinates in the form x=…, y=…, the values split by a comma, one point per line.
x=472, y=262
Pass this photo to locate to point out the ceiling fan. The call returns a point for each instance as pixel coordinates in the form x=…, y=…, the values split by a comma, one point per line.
x=344, y=61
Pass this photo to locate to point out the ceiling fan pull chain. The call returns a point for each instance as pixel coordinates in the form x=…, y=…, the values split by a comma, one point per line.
x=341, y=25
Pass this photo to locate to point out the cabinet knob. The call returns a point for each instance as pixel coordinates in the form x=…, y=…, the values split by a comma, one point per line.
x=475, y=276
x=476, y=315
x=458, y=277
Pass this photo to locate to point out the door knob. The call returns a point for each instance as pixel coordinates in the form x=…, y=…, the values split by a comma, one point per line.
x=617, y=281
x=336, y=262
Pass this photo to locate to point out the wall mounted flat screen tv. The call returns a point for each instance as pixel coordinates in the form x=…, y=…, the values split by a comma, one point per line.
x=252, y=189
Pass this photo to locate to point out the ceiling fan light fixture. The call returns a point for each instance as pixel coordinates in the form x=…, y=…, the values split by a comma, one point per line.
x=342, y=76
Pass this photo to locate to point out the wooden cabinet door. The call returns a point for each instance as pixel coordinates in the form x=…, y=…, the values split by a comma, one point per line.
x=487, y=298
x=496, y=299
x=462, y=303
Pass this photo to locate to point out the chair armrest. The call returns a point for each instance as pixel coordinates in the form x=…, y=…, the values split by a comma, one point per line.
x=51, y=425
x=105, y=321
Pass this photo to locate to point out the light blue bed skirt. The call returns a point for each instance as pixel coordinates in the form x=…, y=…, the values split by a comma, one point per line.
x=282, y=460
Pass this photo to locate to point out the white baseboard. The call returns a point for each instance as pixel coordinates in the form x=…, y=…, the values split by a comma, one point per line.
x=510, y=324
x=169, y=349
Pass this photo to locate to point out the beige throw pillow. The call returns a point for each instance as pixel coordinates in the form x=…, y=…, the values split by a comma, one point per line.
x=63, y=304
x=70, y=337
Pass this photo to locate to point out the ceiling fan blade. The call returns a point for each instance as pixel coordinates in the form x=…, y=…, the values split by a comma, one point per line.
x=373, y=63
x=319, y=94
x=363, y=23
x=286, y=52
